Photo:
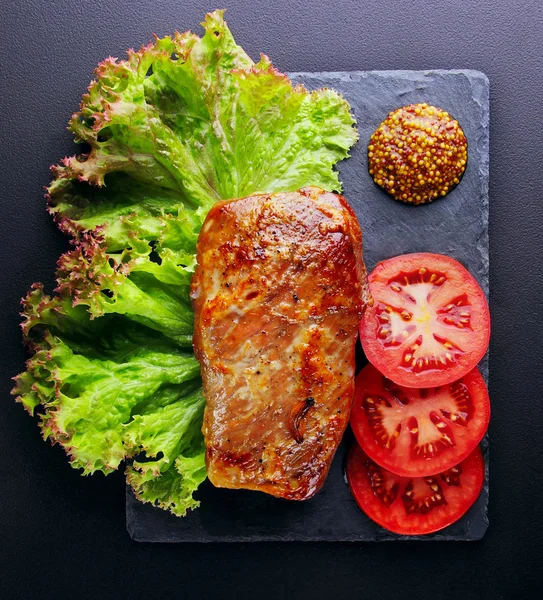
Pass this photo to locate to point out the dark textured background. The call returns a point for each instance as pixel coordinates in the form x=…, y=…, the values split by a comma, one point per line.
x=64, y=536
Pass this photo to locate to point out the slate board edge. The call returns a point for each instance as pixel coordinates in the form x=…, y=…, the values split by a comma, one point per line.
x=417, y=74
x=483, y=242
x=134, y=535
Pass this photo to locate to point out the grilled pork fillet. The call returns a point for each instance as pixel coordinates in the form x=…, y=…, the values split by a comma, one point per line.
x=278, y=292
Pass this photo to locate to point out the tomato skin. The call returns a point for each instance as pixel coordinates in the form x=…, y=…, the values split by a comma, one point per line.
x=453, y=418
x=468, y=339
x=393, y=515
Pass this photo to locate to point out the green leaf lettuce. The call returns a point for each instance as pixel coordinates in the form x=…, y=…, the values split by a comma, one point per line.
x=180, y=124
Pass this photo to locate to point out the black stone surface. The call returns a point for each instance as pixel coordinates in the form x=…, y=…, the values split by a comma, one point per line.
x=456, y=225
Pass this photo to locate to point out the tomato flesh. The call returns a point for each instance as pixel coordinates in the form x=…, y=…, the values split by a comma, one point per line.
x=419, y=432
x=429, y=324
x=414, y=505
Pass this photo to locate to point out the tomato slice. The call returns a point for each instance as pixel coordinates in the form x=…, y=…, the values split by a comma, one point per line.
x=414, y=505
x=429, y=324
x=419, y=432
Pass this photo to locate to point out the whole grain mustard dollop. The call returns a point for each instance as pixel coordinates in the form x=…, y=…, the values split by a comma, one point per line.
x=418, y=153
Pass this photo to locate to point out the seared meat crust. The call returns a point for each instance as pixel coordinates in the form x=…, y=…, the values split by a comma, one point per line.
x=278, y=293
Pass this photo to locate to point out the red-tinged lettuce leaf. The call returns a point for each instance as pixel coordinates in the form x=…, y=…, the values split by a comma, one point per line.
x=88, y=398
x=170, y=435
x=180, y=124
x=187, y=121
x=155, y=294
x=172, y=490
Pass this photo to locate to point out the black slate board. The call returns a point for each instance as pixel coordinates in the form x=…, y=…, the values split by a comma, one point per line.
x=456, y=225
